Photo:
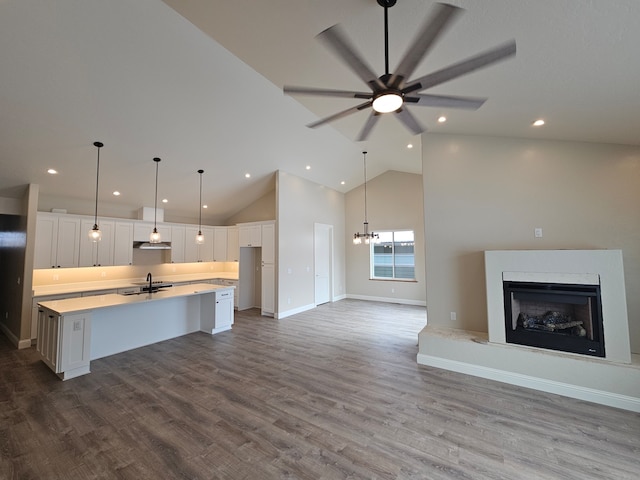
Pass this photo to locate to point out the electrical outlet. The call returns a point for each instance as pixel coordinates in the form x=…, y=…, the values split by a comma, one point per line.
x=393, y=290
x=454, y=316
x=56, y=276
x=537, y=232
x=289, y=300
x=6, y=314
x=103, y=274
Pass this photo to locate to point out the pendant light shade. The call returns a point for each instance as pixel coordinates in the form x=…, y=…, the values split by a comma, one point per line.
x=155, y=236
x=367, y=237
x=95, y=235
x=200, y=236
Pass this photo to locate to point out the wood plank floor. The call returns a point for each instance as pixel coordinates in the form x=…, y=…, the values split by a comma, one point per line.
x=333, y=393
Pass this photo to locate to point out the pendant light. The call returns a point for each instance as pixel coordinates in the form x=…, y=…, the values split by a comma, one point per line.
x=368, y=237
x=155, y=236
x=200, y=236
x=95, y=235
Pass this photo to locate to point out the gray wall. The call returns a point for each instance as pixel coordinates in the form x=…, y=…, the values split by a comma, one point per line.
x=301, y=204
x=486, y=193
x=394, y=202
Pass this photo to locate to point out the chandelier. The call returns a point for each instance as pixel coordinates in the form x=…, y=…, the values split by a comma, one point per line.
x=366, y=236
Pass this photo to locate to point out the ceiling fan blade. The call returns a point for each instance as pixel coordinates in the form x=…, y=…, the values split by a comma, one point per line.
x=435, y=25
x=447, y=101
x=409, y=121
x=481, y=60
x=335, y=39
x=368, y=126
x=323, y=92
x=339, y=115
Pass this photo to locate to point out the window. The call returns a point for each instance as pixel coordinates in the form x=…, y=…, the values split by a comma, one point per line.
x=393, y=256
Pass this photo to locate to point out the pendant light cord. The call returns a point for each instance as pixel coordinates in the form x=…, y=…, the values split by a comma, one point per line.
x=155, y=204
x=365, y=184
x=95, y=217
x=200, y=205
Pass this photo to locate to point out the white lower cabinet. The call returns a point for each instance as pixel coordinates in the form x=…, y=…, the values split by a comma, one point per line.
x=64, y=342
x=217, y=311
x=35, y=308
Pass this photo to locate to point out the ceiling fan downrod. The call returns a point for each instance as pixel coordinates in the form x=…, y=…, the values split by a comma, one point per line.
x=386, y=4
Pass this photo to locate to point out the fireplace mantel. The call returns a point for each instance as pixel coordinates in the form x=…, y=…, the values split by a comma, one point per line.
x=563, y=266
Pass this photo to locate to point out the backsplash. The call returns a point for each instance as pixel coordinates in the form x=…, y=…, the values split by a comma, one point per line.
x=53, y=276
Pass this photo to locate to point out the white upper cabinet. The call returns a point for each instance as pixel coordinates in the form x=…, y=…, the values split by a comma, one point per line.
x=123, y=243
x=177, y=243
x=268, y=243
x=250, y=235
x=57, y=241
x=220, y=244
x=206, y=249
x=233, y=245
x=194, y=252
x=93, y=254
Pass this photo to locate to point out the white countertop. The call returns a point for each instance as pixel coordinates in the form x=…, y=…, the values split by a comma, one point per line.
x=64, y=288
x=81, y=304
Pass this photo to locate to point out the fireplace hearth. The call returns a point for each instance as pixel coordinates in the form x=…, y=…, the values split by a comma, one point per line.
x=563, y=317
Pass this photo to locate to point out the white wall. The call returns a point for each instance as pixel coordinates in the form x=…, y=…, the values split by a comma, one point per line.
x=300, y=204
x=394, y=202
x=489, y=193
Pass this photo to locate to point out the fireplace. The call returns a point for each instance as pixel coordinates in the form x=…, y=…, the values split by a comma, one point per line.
x=555, y=316
x=600, y=268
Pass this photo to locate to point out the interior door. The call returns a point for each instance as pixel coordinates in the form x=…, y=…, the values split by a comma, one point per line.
x=323, y=255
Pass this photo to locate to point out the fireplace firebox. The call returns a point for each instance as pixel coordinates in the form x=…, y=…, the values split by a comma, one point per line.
x=564, y=317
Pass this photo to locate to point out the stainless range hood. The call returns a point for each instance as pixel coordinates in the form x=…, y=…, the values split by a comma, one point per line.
x=151, y=246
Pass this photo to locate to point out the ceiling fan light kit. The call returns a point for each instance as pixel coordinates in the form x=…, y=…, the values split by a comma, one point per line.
x=391, y=92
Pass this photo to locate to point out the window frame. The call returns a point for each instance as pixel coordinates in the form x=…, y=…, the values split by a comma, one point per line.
x=394, y=265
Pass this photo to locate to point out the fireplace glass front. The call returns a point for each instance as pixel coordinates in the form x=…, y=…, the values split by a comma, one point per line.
x=563, y=317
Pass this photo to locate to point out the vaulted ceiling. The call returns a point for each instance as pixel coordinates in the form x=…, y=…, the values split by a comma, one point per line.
x=198, y=83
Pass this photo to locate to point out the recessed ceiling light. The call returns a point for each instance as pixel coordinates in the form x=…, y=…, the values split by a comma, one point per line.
x=116, y=193
x=52, y=171
x=442, y=119
x=308, y=167
x=342, y=182
x=247, y=175
x=205, y=206
x=538, y=123
x=410, y=145
x=164, y=200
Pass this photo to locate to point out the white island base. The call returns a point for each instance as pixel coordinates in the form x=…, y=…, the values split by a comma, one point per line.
x=73, y=332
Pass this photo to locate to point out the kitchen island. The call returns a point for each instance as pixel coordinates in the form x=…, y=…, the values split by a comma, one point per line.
x=74, y=331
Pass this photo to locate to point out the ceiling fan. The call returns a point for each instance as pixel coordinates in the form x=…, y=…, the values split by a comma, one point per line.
x=392, y=92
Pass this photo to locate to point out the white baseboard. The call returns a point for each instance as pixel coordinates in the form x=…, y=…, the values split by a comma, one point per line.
x=403, y=301
x=13, y=339
x=339, y=297
x=573, y=391
x=293, y=311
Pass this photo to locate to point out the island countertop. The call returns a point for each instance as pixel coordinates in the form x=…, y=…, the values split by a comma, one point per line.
x=83, y=304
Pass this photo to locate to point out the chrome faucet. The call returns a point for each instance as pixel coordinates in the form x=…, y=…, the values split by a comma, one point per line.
x=150, y=280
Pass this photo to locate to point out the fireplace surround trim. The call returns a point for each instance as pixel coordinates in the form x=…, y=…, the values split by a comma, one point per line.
x=567, y=265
